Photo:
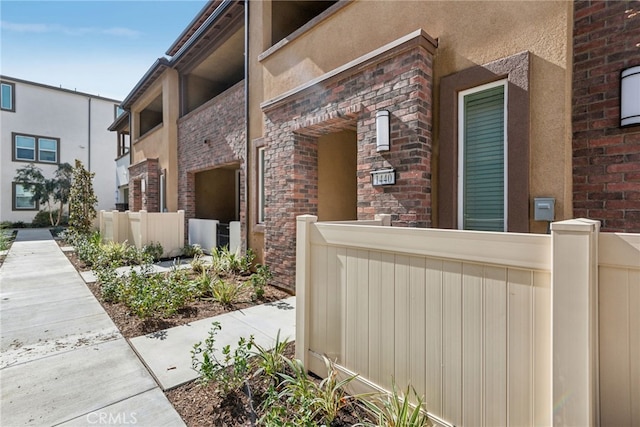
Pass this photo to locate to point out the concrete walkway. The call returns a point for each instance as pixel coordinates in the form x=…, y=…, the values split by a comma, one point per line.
x=63, y=361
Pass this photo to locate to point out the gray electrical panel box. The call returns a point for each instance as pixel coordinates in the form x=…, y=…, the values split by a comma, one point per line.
x=544, y=208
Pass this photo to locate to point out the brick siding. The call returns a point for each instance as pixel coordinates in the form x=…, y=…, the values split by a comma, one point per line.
x=148, y=200
x=220, y=121
x=401, y=83
x=606, y=158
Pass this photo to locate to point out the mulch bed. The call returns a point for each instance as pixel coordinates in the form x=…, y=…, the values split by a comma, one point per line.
x=201, y=404
x=132, y=326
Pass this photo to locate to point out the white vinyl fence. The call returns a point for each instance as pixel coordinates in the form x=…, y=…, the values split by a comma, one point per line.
x=142, y=228
x=492, y=328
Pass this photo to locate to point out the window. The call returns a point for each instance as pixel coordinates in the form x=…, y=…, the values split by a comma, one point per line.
x=25, y=148
x=7, y=101
x=118, y=111
x=261, y=196
x=512, y=73
x=482, y=182
x=31, y=148
x=23, y=199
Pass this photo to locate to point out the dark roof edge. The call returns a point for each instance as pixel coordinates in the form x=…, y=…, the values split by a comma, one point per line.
x=160, y=63
x=61, y=89
x=211, y=19
x=119, y=121
x=174, y=46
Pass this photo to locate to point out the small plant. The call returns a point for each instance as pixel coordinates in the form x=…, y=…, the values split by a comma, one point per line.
x=192, y=251
x=395, y=410
x=260, y=279
x=6, y=237
x=299, y=392
x=230, y=372
x=226, y=262
x=146, y=293
x=153, y=250
x=203, y=284
x=226, y=292
x=330, y=395
x=198, y=264
x=271, y=362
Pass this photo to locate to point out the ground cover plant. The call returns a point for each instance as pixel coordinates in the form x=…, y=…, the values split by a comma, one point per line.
x=142, y=301
x=254, y=385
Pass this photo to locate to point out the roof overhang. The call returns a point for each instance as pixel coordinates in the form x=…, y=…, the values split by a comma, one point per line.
x=121, y=122
x=193, y=26
x=154, y=72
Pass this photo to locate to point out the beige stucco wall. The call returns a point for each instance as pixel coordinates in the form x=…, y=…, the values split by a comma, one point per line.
x=162, y=142
x=468, y=33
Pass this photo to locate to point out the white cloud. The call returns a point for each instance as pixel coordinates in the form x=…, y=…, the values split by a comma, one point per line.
x=70, y=31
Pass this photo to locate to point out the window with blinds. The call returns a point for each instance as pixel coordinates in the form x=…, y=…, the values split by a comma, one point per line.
x=482, y=168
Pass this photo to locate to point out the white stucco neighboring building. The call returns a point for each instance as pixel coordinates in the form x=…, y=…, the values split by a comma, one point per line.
x=46, y=125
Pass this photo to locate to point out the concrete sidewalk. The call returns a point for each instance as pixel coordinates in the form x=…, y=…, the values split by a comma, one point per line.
x=167, y=353
x=63, y=361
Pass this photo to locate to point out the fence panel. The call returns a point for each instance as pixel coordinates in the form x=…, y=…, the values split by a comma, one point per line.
x=470, y=333
x=142, y=228
x=619, y=318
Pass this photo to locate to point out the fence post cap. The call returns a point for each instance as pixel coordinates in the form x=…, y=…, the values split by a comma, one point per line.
x=307, y=218
x=579, y=224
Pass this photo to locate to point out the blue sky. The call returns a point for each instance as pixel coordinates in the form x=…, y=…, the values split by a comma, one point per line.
x=98, y=47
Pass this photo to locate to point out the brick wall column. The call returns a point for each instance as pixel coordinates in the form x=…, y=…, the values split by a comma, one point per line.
x=401, y=83
x=606, y=158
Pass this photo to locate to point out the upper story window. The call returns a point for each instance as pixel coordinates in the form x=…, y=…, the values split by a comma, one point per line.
x=118, y=111
x=7, y=98
x=31, y=148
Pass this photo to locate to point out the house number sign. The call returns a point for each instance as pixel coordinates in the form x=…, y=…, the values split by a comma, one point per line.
x=383, y=177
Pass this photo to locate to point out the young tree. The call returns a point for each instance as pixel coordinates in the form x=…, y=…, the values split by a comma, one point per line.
x=47, y=190
x=82, y=199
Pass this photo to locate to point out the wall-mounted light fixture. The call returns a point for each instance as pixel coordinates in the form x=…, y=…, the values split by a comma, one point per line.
x=382, y=131
x=143, y=186
x=630, y=96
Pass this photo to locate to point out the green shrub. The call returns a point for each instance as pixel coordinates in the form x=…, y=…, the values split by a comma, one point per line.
x=156, y=294
x=231, y=371
x=226, y=262
x=154, y=250
x=260, y=279
x=82, y=199
x=192, y=251
x=6, y=237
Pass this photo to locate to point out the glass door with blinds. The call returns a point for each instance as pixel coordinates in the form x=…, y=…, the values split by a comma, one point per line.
x=482, y=169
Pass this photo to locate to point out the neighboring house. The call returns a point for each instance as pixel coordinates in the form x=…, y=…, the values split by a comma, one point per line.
x=46, y=125
x=477, y=97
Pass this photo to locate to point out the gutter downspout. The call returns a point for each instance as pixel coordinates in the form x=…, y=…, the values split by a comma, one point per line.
x=247, y=218
x=89, y=137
